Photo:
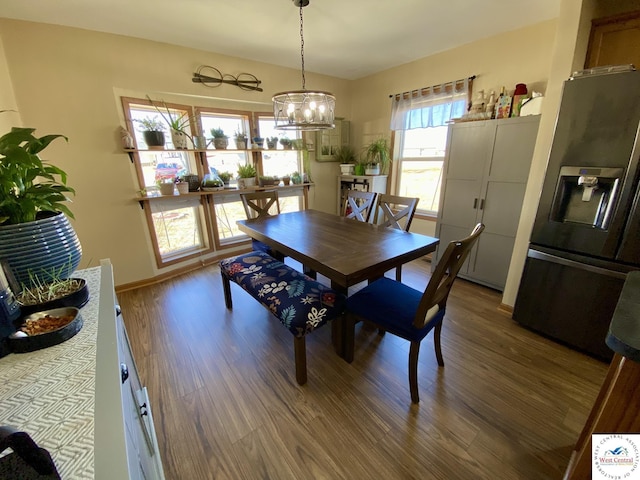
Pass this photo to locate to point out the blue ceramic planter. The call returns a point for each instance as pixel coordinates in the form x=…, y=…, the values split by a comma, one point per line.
x=45, y=248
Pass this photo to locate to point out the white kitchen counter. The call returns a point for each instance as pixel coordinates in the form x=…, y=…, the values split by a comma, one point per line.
x=50, y=393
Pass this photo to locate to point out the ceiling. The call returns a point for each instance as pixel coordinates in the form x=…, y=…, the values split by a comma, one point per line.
x=347, y=39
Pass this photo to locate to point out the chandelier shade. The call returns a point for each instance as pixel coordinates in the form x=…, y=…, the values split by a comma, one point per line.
x=303, y=109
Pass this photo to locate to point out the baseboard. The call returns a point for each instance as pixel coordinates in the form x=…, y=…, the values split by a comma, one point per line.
x=504, y=308
x=175, y=273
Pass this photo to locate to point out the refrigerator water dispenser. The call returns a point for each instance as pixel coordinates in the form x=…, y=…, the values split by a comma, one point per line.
x=586, y=195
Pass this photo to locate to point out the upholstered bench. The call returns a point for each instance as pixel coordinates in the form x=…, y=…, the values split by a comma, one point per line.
x=298, y=301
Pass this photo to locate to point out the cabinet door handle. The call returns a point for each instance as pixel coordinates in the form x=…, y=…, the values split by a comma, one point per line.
x=475, y=203
x=124, y=372
x=482, y=204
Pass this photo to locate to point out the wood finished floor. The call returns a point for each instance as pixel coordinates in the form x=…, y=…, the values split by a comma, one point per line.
x=509, y=404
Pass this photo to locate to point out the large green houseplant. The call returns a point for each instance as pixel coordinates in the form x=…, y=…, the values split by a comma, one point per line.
x=36, y=237
x=378, y=153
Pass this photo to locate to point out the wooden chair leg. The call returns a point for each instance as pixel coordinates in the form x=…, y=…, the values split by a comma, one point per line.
x=436, y=344
x=226, y=285
x=299, y=346
x=413, y=371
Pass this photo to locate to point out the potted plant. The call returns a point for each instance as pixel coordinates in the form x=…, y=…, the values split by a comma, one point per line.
x=272, y=143
x=56, y=292
x=35, y=234
x=296, y=178
x=258, y=141
x=378, y=156
x=177, y=125
x=286, y=143
x=241, y=140
x=212, y=183
x=286, y=180
x=166, y=184
x=346, y=155
x=220, y=140
x=246, y=175
x=152, y=132
x=182, y=185
x=225, y=177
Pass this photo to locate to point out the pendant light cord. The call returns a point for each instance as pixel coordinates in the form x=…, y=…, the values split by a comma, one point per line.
x=302, y=47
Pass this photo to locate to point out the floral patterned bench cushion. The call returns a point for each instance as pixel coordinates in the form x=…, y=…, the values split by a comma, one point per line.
x=300, y=303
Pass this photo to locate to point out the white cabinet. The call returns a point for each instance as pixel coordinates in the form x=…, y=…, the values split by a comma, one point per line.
x=365, y=183
x=485, y=175
x=126, y=446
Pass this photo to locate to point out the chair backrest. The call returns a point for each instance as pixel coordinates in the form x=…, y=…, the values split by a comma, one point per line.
x=359, y=205
x=395, y=211
x=258, y=204
x=446, y=271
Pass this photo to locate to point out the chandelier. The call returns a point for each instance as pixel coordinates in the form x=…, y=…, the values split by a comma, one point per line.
x=303, y=109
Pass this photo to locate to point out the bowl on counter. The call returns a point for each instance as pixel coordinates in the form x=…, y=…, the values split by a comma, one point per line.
x=45, y=329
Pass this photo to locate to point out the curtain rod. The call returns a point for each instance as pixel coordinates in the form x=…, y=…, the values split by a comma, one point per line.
x=423, y=88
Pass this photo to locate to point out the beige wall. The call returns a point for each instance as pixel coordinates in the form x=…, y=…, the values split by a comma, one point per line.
x=574, y=24
x=520, y=56
x=68, y=81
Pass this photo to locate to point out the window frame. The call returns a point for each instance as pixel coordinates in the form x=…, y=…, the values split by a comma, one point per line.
x=197, y=161
x=398, y=142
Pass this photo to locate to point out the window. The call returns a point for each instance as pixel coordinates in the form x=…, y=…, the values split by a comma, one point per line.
x=185, y=226
x=278, y=162
x=420, y=159
x=177, y=224
x=420, y=120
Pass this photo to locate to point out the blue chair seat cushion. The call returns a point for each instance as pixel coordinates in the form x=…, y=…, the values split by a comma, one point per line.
x=392, y=306
x=298, y=301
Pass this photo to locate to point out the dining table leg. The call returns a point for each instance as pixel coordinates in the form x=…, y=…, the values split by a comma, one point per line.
x=338, y=325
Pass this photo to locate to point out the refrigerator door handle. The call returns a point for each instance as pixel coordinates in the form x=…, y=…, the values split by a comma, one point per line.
x=573, y=264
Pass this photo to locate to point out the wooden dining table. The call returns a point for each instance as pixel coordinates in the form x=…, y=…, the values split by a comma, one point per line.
x=345, y=251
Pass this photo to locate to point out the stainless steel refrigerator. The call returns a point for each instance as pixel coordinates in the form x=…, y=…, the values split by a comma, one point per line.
x=586, y=235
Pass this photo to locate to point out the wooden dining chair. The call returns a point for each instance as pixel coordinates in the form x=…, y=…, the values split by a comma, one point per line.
x=259, y=205
x=359, y=205
x=408, y=313
x=395, y=212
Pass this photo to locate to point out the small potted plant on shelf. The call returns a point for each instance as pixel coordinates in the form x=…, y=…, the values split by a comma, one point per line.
x=258, y=141
x=225, y=177
x=286, y=180
x=212, y=183
x=246, y=176
x=346, y=155
x=152, y=132
x=220, y=140
x=166, y=184
x=286, y=143
x=241, y=140
x=182, y=185
x=296, y=178
x=178, y=124
x=378, y=157
x=272, y=143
